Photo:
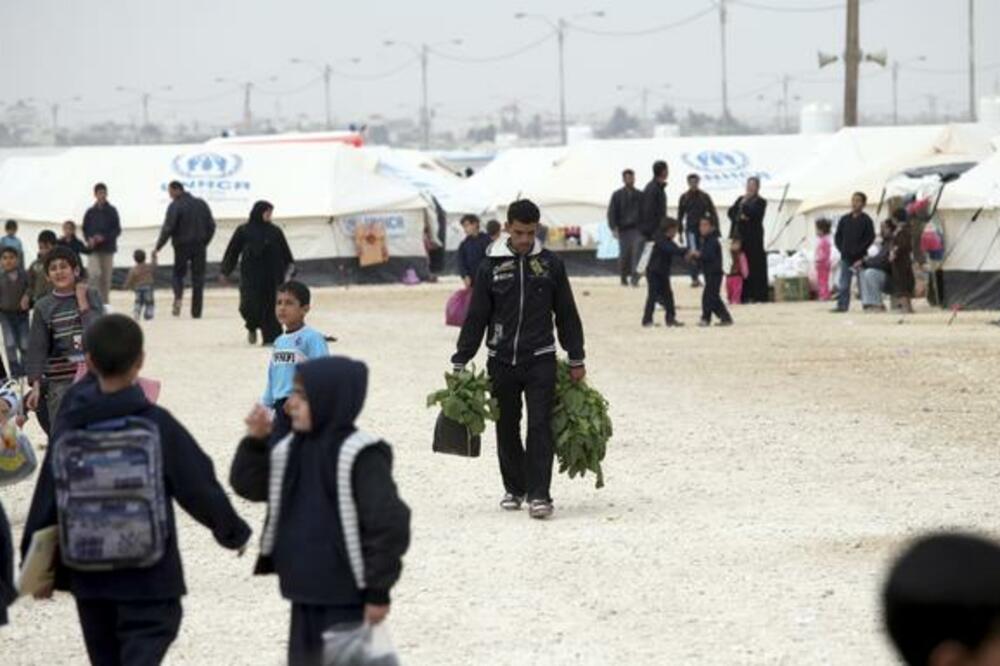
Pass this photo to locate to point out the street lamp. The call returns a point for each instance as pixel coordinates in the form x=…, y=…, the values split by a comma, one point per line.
x=327, y=71
x=560, y=25
x=248, y=87
x=145, y=96
x=896, y=64
x=422, y=52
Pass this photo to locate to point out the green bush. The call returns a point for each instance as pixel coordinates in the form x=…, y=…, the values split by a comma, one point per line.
x=466, y=400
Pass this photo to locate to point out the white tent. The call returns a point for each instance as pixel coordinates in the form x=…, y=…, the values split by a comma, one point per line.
x=577, y=190
x=512, y=173
x=320, y=193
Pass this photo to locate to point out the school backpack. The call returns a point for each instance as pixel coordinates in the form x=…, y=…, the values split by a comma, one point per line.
x=110, y=495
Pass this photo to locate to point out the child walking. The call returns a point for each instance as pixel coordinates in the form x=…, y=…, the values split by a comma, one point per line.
x=38, y=279
x=738, y=272
x=299, y=343
x=11, y=239
x=140, y=280
x=658, y=289
x=14, y=304
x=128, y=614
x=711, y=265
x=55, y=342
x=824, y=252
x=336, y=529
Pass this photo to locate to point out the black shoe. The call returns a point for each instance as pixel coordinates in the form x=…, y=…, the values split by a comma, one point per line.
x=675, y=324
x=647, y=324
x=838, y=311
x=511, y=502
x=540, y=509
x=704, y=323
x=725, y=322
x=252, y=337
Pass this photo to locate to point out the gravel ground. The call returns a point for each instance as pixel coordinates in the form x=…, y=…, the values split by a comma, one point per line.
x=759, y=480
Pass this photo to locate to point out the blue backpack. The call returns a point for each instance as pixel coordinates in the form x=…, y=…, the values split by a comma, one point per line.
x=110, y=495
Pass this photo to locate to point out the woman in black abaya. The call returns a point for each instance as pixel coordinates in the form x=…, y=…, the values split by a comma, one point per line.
x=265, y=262
x=747, y=224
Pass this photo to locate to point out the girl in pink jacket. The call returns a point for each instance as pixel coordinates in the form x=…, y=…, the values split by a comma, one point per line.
x=823, y=252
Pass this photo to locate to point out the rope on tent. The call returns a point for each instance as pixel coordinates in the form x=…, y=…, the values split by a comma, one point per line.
x=780, y=231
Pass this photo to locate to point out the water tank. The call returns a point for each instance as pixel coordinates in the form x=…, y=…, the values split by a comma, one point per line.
x=817, y=118
x=989, y=111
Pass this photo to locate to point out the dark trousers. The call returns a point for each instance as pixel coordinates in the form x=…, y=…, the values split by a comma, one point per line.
x=694, y=243
x=711, y=299
x=630, y=244
x=195, y=255
x=281, y=425
x=305, y=636
x=128, y=633
x=525, y=471
x=658, y=290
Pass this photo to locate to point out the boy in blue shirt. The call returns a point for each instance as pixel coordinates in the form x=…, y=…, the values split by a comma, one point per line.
x=11, y=239
x=299, y=343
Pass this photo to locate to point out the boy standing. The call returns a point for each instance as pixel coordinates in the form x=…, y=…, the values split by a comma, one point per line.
x=658, y=287
x=336, y=529
x=131, y=615
x=472, y=250
x=14, y=304
x=11, y=239
x=38, y=280
x=855, y=234
x=70, y=240
x=55, y=345
x=711, y=265
x=493, y=230
x=101, y=229
x=141, y=281
x=298, y=344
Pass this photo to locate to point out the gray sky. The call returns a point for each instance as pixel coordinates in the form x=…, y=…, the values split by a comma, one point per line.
x=57, y=49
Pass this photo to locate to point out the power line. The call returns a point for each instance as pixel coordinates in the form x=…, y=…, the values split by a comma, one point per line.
x=375, y=77
x=752, y=4
x=291, y=91
x=645, y=31
x=494, y=58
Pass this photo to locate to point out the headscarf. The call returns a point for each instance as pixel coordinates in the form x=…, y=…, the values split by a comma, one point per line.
x=257, y=213
x=335, y=387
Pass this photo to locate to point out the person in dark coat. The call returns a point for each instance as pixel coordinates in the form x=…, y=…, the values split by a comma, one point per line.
x=665, y=250
x=260, y=248
x=7, y=592
x=624, y=217
x=691, y=207
x=746, y=216
x=336, y=529
x=654, y=201
x=901, y=259
x=190, y=227
x=131, y=616
x=855, y=234
x=710, y=256
x=472, y=249
x=101, y=229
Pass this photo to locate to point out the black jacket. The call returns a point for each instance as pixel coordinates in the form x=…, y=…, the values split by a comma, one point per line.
x=692, y=207
x=190, y=479
x=74, y=244
x=470, y=253
x=515, y=298
x=654, y=207
x=881, y=259
x=664, y=251
x=625, y=209
x=711, y=255
x=7, y=592
x=189, y=222
x=102, y=221
x=854, y=236
x=319, y=558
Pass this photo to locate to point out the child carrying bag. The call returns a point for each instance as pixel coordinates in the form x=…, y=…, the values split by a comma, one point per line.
x=110, y=495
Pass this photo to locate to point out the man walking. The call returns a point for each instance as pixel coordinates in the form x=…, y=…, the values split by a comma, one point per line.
x=101, y=229
x=624, y=212
x=190, y=226
x=691, y=208
x=519, y=290
x=654, y=202
x=855, y=234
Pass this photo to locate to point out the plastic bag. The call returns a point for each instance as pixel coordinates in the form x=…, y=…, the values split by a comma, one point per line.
x=17, y=457
x=453, y=438
x=457, y=308
x=358, y=645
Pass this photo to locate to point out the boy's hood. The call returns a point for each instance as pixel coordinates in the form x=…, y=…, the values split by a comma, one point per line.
x=87, y=404
x=336, y=387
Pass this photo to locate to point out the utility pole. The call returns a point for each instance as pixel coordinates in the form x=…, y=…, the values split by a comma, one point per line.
x=786, y=120
x=54, y=109
x=725, y=77
x=145, y=109
x=852, y=62
x=561, y=32
x=327, y=73
x=972, y=62
x=247, y=116
x=895, y=92
x=425, y=114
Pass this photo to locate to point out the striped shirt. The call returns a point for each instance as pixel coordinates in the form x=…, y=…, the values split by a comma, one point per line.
x=55, y=344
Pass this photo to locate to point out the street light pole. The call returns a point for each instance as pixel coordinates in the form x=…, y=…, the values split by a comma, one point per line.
x=327, y=73
x=852, y=63
x=561, y=31
x=725, y=76
x=425, y=114
x=972, y=62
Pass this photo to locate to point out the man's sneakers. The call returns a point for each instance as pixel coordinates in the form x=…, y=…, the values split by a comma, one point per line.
x=511, y=502
x=540, y=509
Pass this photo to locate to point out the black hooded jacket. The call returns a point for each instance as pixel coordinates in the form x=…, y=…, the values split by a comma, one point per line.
x=190, y=479
x=7, y=592
x=515, y=298
x=341, y=528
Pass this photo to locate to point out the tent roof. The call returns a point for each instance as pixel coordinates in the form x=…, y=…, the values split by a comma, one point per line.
x=301, y=180
x=424, y=173
x=511, y=173
x=977, y=188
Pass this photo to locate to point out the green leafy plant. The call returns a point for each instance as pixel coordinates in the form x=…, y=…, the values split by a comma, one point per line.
x=581, y=426
x=466, y=399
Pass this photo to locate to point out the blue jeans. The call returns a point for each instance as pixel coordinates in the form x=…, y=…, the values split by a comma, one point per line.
x=15, y=340
x=145, y=304
x=844, y=286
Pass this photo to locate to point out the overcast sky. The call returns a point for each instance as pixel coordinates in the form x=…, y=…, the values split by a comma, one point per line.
x=55, y=50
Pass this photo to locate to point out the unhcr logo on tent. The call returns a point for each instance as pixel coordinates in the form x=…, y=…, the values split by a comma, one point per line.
x=721, y=166
x=210, y=174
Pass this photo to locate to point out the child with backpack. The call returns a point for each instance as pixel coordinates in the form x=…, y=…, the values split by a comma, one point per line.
x=336, y=529
x=117, y=533
x=299, y=343
x=55, y=342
